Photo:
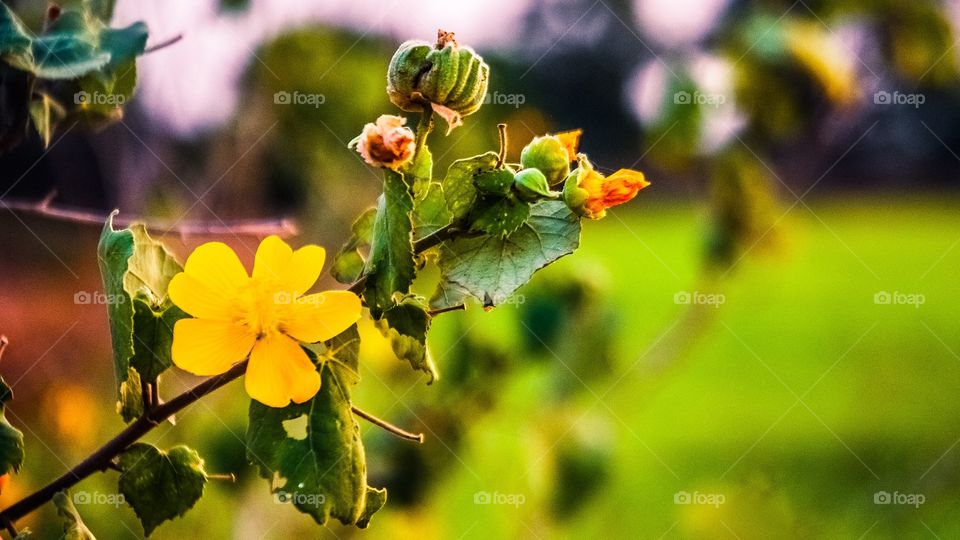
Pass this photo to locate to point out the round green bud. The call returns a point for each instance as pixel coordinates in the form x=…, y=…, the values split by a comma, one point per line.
x=532, y=185
x=549, y=155
x=573, y=195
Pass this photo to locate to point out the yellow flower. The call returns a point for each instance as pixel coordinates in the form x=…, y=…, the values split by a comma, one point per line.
x=589, y=193
x=265, y=316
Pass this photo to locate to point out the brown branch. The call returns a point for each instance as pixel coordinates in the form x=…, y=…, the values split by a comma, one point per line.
x=283, y=227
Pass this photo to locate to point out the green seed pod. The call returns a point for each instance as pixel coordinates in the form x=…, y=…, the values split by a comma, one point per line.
x=446, y=74
x=404, y=73
x=548, y=154
x=574, y=195
x=532, y=185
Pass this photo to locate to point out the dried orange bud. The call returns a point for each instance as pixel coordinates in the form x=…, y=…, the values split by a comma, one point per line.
x=388, y=143
x=589, y=193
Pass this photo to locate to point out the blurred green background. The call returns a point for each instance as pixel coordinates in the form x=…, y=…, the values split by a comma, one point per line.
x=764, y=344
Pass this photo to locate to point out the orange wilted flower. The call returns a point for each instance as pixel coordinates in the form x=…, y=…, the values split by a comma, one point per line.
x=387, y=143
x=264, y=316
x=589, y=193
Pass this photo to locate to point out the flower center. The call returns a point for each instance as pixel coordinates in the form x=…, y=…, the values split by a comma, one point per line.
x=261, y=306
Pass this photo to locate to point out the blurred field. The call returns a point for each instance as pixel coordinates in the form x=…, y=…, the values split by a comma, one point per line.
x=802, y=399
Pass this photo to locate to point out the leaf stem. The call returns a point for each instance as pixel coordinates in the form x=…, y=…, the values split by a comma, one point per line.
x=399, y=432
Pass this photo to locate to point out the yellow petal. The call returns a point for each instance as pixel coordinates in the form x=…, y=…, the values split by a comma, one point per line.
x=291, y=271
x=217, y=267
x=304, y=269
x=279, y=371
x=273, y=257
x=570, y=140
x=205, y=347
x=196, y=298
x=321, y=316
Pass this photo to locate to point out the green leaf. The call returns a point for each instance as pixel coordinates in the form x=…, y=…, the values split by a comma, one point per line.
x=499, y=216
x=406, y=326
x=46, y=113
x=160, y=485
x=497, y=181
x=130, y=400
x=390, y=269
x=15, y=40
x=136, y=271
x=458, y=185
x=73, y=527
x=68, y=48
x=492, y=267
x=430, y=211
x=103, y=9
x=420, y=171
x=348, y=264
x=154, y=337
x=448, y=295
x=11, y=438
x=321, y=469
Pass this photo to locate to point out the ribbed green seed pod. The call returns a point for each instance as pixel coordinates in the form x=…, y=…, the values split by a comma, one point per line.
x=445, y=74
x=406, y=68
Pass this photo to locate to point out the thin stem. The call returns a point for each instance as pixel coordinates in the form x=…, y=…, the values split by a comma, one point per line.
x=283, y=227
x=435, y=312
x=147, y=396
x=502, y=154
x=11, y=530
x=3, y=345
x=399, y=432
x=163, y=44
x=227, y=477
x=424, y=127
